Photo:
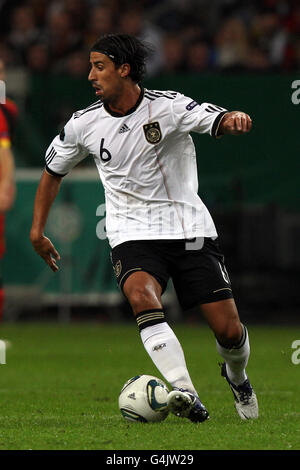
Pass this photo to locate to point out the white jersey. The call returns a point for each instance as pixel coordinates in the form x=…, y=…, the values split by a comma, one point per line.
x=147, y=164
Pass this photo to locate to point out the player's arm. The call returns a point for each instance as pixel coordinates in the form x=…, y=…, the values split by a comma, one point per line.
x=234, y=123
x=208, y=118
x=7, y=177
x=62, y=155
x=46, y=193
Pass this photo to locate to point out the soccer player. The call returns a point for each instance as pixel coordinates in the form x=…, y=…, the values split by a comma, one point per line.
x=8, y=115
x=157, y=225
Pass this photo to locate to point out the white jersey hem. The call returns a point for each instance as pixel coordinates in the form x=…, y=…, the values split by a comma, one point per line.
x=135, y=237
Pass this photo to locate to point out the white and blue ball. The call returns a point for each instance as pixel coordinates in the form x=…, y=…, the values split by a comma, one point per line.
x=144, y=398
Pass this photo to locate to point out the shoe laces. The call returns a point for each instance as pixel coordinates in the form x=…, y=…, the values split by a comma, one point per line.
x=245, y=392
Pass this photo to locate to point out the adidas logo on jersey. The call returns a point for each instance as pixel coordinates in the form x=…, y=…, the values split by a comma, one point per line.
x=123, y=129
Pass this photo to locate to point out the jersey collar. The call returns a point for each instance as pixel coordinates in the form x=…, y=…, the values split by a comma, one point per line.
x=131, y=110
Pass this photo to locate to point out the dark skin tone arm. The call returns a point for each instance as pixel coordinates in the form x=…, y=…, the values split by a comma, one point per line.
x=46, y=193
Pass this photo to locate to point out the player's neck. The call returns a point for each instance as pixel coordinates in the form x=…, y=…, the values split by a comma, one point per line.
x=127, y=99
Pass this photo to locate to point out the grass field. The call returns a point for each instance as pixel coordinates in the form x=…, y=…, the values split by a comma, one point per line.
x=60, y=384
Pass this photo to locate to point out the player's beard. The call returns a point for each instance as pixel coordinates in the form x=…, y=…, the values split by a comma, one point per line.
x=110, y=99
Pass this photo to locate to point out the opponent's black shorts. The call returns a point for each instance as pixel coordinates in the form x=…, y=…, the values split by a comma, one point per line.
x=199, y=275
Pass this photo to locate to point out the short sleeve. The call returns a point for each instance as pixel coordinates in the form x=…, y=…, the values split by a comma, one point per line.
x=65, y=151
x=191, y=116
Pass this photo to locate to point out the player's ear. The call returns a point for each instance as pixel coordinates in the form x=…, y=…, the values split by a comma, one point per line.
x=124, y=70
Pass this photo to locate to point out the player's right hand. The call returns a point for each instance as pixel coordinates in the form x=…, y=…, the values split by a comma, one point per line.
x=45, y=248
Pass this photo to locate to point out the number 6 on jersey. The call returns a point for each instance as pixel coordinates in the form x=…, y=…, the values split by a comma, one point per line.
x=104, y=151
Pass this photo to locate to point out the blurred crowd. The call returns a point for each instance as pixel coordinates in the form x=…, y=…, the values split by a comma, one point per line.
x=188, y=35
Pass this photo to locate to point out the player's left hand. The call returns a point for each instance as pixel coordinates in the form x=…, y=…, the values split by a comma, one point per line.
x=235, y=123
x=45, y=248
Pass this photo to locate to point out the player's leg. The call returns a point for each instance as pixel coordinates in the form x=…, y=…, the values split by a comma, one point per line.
x=200, y=278
x=143, y=292
x=231, y=337
x=141, y=268
x=233, y=345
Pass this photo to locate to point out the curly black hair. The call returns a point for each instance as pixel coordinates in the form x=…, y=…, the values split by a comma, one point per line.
x=125, y=49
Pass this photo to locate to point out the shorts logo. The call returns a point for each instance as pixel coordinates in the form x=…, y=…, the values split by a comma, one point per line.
x=152, y=132
x=118, y=268
x=224, y=273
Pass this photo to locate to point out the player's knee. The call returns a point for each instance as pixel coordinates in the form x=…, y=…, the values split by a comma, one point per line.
x=143, y=298
x=142, y=291
x=229, y=334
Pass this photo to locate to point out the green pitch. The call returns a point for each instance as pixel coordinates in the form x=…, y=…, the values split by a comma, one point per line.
x=60, y=384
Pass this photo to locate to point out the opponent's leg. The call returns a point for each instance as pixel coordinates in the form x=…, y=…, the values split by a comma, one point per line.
x=144, y=295
x=233, y=345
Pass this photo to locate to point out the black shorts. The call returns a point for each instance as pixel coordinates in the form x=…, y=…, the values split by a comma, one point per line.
x=199, y=275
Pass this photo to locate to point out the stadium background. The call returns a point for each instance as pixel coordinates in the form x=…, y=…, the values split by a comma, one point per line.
x=240, y=55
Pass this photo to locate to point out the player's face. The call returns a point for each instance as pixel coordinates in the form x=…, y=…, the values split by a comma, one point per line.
x=105, y=77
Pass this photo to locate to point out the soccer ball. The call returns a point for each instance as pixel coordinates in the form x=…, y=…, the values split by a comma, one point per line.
x=144, y=398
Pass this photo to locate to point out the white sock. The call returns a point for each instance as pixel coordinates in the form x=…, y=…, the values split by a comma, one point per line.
x=166, y=352
x=236, y=359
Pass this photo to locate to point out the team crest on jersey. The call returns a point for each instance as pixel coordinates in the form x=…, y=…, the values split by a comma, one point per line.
x=152, y=132
x=118, y=268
